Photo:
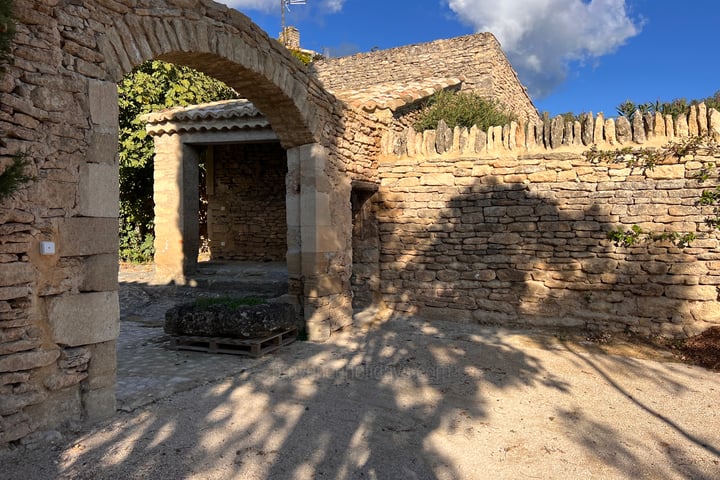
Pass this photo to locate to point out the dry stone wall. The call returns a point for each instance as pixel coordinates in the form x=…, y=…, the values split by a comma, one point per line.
x=492, y=231
x=477, y=58
x=246, y=209
x=59, y=313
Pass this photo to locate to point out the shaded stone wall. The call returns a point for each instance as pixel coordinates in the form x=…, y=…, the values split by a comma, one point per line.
x=59, y=314
x=519, y=236
x=246, y=209
x=477, y=58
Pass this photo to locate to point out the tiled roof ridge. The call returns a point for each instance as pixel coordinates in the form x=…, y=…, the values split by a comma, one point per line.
x=220, y=110
x=397, y=94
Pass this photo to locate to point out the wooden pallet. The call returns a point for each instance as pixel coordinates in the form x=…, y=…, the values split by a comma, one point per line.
x=255, y=347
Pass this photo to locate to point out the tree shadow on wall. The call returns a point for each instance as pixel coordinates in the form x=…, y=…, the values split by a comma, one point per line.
x=515, y=255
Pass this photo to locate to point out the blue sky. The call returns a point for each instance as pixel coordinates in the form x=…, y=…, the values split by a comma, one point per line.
x=573, y=55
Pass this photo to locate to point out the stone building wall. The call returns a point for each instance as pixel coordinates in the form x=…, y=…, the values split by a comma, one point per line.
x=492, y=231
x=246, y=209
x=477, y=58
x=59, y=314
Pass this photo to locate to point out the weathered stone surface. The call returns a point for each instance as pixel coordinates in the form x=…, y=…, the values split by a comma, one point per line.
x=18, y=362
x=74, y=358
x=84, y=319
x=16, y=273
x=623, y=130
x=13, y=404
x=100, y=273
x=588, y=128
x=63, y=380
x=99, y=190
x=81, y=236
x=14, y=427
x=557, y=131
x=220, y=320
x=638, y=128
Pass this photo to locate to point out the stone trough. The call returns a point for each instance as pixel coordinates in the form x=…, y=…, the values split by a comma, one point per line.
x=226, y=320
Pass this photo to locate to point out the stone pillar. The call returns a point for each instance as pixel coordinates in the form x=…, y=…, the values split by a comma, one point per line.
x=177, y=201
x=320, y=213
x=90, y=319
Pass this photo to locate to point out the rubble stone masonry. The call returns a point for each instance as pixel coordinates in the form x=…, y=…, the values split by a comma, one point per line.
x=509, y=234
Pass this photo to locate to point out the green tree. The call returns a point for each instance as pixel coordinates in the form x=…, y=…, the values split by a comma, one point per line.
x=7, y=26
x=152, y=86
x=13, y=175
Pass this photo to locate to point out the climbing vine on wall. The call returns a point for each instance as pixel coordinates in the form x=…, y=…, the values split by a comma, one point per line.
x=649, y=158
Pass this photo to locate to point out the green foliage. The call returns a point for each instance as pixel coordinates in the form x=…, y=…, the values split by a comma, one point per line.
x=648, y=158
x=304, y=57
x=635, y=235
x=463, y=109
x=7, y=26
x=229, y=302
x=13, y=177
x=152, y=86
x=674, y=108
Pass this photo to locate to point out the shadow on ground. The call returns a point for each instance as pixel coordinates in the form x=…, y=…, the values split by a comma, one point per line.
x=413, y=400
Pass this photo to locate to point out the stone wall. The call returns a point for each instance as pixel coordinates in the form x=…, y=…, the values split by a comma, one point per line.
x=246, y=204
x=59, y=314
x=477, y=58
x=493, y=232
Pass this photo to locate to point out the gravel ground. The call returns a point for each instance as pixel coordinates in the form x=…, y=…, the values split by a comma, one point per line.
x=412, y=400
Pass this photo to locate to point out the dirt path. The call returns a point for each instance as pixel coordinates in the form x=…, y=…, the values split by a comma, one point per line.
x=414, y=400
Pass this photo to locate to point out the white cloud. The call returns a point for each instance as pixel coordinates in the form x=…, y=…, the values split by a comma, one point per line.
x=541, y=37
x=269, y=6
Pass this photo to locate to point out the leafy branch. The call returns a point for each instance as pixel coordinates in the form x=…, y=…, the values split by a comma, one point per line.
x=13, y=177
x=648, y=159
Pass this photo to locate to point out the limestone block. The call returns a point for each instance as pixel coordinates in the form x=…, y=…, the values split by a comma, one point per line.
x=100, y=273
x=103, y=103
x=693, y=128
x=10, y=404
x=702, y=118
x=16, y=273
x=714, y=123
x=28, y=360
x=623, y=130
x=84, y=319
x=599, y=132
x=695, y=292
x=665, y=172
x=659, y=125
x=99, y=404
x=103, y=148
x=669, y=127
x=62, y=380
x=315, y=208
x=638, y=128
x=438, y=179
x=681, y=126
x=706, y=312
x=610, y=131
x=102, y=366
x=320, y=239
x=99, y=190
x=15, y=427
x=324, y=285
x=587, y=129
x=82, y=236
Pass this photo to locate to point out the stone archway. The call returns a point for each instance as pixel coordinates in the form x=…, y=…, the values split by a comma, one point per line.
x=59, y=97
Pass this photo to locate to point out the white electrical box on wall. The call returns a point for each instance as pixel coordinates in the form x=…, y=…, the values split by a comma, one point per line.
x=47, y=248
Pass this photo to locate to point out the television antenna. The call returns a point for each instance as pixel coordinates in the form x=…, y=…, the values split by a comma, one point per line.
x=285, y=5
